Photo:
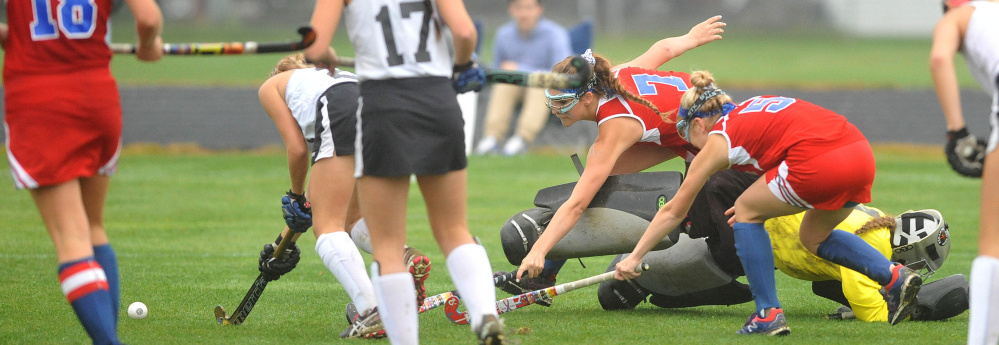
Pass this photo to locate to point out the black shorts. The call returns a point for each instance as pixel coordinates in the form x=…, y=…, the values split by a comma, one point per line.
x=409, y=126
x=336, y=121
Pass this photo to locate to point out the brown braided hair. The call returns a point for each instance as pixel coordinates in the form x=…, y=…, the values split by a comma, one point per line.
x=885, y=222
x=607, y=83
x=290, y=62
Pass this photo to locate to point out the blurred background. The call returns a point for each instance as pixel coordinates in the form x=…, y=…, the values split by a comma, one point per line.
x=867, y=60
x=883, y=18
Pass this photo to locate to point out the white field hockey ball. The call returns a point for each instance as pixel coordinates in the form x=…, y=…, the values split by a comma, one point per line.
x=137, y=310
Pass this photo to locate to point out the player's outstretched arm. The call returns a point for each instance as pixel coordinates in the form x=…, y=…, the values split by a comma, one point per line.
x=668, y=48
x=613, y=138
x=148, y=25
x=712, y=158
x=272, y=100
x=946, y=42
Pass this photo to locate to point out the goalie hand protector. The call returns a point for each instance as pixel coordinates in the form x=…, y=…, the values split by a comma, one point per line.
x=965, y=152
x=273, y=268
x=297, y=212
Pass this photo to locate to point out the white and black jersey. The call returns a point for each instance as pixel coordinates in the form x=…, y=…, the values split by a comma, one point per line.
x=303, y=90
x=398, y=39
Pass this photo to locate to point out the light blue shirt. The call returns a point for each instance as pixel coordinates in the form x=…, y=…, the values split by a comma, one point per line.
x=539, y=50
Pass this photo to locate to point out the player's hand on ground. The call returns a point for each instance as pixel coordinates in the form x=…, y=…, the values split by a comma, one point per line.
x=273, y=268
x=531, y=266
x=707, y=31
x=625, y=269
x=965, y=152
x=468, y=77
x=297, y=212
x=150, y=52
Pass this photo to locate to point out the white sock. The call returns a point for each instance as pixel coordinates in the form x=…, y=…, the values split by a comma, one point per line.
x=983, y=317
x=342, y=259
x=472, y=275
x=359, y=233
x=397, y=305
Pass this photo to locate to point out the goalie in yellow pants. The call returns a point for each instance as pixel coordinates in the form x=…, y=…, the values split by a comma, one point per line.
x=702, y=266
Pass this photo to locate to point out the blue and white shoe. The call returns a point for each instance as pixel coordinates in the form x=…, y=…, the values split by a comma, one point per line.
x=773, y=323
x=901, y=292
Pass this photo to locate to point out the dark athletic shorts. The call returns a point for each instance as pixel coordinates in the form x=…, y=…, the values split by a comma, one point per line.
x=409, y=126
x=336, y=121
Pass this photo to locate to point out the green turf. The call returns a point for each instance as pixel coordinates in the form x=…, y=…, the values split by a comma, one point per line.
x=187, y=229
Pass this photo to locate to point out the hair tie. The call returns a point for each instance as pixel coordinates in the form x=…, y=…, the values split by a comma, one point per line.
x=588, y=56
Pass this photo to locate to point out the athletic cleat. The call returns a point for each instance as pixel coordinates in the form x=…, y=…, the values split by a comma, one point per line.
x=527, y=285
x=419, y=266
x=772, y=324
x=901, y=292
x=352, y=315
x=362, y=326
x=490, y=331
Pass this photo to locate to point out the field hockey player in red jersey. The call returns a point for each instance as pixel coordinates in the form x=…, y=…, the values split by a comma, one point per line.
x=809, y=159
x=634, y=106
x=64, y=152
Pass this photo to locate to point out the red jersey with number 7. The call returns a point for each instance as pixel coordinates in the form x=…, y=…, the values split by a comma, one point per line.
x=663, y=89
x=56, y=36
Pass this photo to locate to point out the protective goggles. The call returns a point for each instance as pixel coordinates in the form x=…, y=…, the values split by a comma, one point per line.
x=563, y=99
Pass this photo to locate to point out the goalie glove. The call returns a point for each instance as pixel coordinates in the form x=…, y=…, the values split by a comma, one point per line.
x=965, y=152
x=297, y=212
x=273, y=268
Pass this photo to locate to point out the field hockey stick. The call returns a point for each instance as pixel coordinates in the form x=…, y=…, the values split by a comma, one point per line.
x=227, y=48
x=246, y=305
x=547, y=80
x=525, y=299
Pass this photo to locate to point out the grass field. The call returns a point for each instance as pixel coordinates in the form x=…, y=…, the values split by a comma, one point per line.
x=187, y=229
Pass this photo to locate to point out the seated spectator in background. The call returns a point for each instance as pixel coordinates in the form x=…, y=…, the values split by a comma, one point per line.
x=528, y=43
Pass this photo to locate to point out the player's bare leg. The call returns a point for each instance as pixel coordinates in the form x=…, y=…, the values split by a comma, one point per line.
x=446, y=200
x=983, y=323
x=82, y=279
x=94, y=191
x=383, y=207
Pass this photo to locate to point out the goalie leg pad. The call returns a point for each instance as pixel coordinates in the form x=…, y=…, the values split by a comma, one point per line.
x=732, y=293
x=686, y=267
x=599, y=231
x=942, y=299
x=620, y=295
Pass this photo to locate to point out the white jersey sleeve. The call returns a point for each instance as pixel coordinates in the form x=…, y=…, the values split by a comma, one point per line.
x=398, y=39
x=304, y=88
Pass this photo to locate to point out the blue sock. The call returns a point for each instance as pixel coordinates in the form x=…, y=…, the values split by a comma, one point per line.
x=108, y=260
x=752, y=243
x=551, y=268
x=86, y=288
x=850, y=251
